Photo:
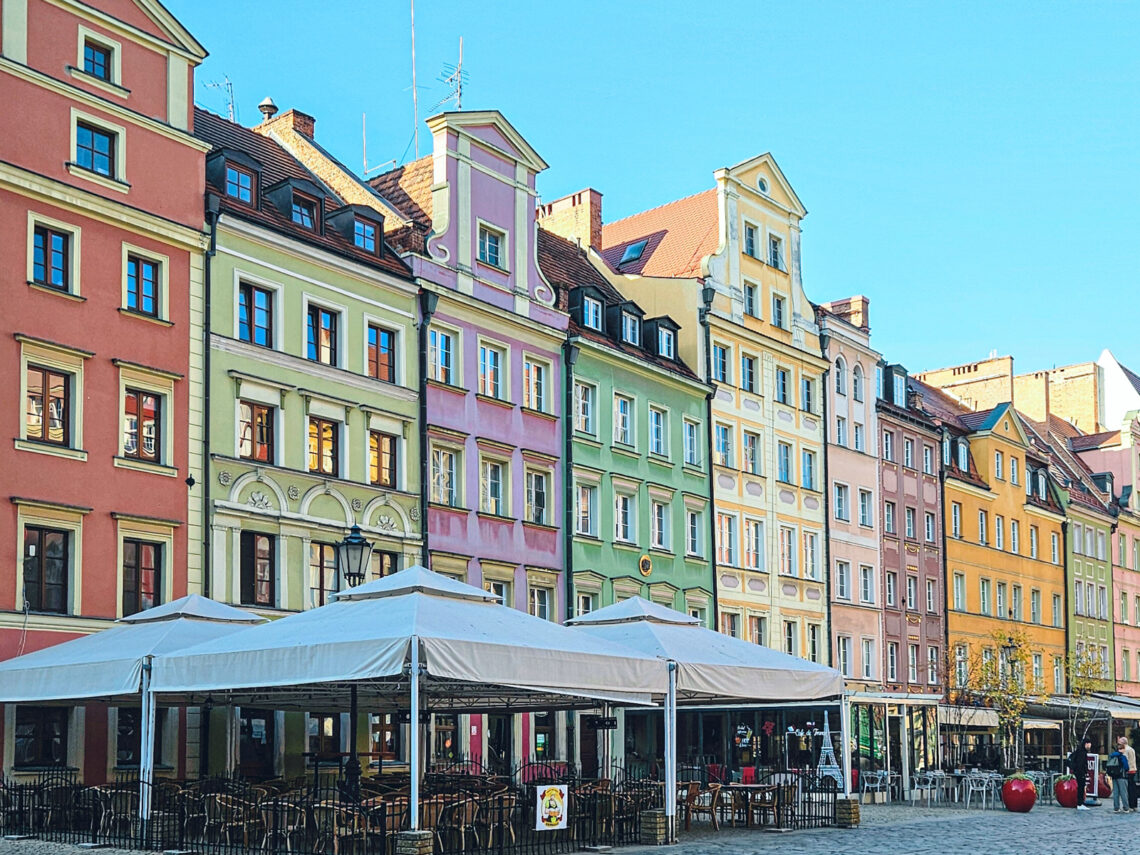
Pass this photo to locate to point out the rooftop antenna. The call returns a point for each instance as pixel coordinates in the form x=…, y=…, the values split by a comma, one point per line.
x=364, y=135
x=415, y=97
x=454, y=76
x=229, y=90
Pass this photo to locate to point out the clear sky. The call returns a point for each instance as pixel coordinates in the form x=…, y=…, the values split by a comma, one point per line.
x=973, y=168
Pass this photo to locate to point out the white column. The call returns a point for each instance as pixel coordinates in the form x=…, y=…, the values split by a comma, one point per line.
x=844, y=735
x=671, y=752
x=146, y=743
x=414, y=798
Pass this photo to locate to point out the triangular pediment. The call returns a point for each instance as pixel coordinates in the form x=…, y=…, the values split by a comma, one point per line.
x=490, y=128
x=779, y=189
x=152, y=18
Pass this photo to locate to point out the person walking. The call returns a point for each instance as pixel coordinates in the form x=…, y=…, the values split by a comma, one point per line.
x=1116, y=768
x=1079, y=767
x=1130, y=776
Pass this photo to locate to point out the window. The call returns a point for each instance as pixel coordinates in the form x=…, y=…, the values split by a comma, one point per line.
x=961, y=667
x=540, y=603
x=868, y=651
x=239, y=184
x=860, y=441
x=945, y=450
x=623, y=517
x=1002, y=607
x=751, y=300
x=790, y=638
x=128, y=733
x=999, y=467
x=587, y=516
x=142, y=285
x=726, y=539
x=892, y=661
x=584, y=408
x=324, y=455
x=304, y=212
x=46, y=569
x=657, y=431
x=999, y=531
x=900, y=390
x=384, y=563
x=807, y=464
x=750, y=247
x=48, y=406
x=982, y=527
x=586, y=604
x=932, y=666
x=1101, y=548
x=778, y=312
x=142, y=426
x=889, y=517
x=633, y=252
x=807, y=395
x=751, y=453
x=1123, y=608
x=630, y=328
x=1015, y=603
x=500, y=589
x=928, y=459
x=258, y=574
x=1014, y=477
x=956, y=519
x=255, y=314
x=857, y=382
x=787, y=543
x=1035, y=606
x=443, y=482
x=692, y=533
x=841, y=431
x=1054, y=543
x=866, y=584
x=490, y=246
x=843, y=655
x=537, y=496
x=910, y=523
x=364, y=235
x=782, y=385
x=382, y=459
x=840, y=376
x=534, y=384
x=659, y=525
x=1015, y=537
x=720, y=363
x=931, y=596
x=666, y=343
x=865, y=505
x=908, y=452
x=758, y=629
x=912, y=593
x=929, y=521
x=842, y=502
x=1033, y=541
x=255, y=432
x=491, y=361
x=381, y=353
x=492, y=488
x=813, y=641
x=784, y=462
x=1102, y=602
x=960, y=592
x=754, y=544
x=321, y=332
x=324, y=737
x=912, y=663
x=843, y=580
x=985, y=588
x=1079, y=599
x=811, y=555
x=888, y=445
x=1126, y=665
x=51, y=258
x=963, y=456
x=748, y=373
x=40, y=736
x=775, y=252
x=692, y=443
x=323, y=580
x=440, y=348
x=623, y=420
x=892, y=588
x=97, y=60
x=592, y=313
x=730, y=624
x=95, y=149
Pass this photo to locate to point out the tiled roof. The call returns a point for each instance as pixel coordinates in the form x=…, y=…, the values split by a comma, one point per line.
x=983, y=420
x=408, y=189
x=679, y=235
x=566, y=267
x=277, y=165
x=939, y=405
x=1066, y=467
x=1095, y=440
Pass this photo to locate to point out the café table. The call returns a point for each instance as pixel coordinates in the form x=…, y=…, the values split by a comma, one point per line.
x=749, y=794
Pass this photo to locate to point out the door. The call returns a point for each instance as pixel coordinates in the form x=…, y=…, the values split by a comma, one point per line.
x=256, y=746
x=500, y=737
x=588, y=746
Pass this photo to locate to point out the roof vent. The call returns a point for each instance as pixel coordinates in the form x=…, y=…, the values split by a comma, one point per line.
x=268, y=108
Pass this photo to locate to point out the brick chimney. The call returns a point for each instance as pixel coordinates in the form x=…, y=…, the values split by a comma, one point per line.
x=855, y=310
x=576, y=217
x=295, y=120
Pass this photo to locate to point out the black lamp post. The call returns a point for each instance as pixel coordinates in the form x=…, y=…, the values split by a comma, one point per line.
x=352, y=558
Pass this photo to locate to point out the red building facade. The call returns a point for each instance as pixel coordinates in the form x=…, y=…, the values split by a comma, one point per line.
x=101, y=234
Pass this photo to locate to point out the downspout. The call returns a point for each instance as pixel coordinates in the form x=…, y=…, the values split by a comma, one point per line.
x=1064, y=556
x=213, y=206
x=707, y=294
x=428, y=301
x=947, y=598
x=570, y=353
x=824, y=341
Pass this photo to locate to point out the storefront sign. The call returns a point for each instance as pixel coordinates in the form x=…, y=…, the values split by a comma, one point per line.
x=1092, y=783
x=597, y=722
x=405, y=717
x=550, y=813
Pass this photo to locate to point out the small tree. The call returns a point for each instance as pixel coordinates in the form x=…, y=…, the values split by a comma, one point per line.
x=1086, y=675
x=1003, y=677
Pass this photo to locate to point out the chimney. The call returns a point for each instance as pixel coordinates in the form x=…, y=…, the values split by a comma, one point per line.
x=855, y=310
x=295, y=120
x=577, y=217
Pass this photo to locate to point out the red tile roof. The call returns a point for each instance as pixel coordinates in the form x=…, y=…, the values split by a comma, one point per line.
x=408, y=189
x=679, y=235
x=1095, y=440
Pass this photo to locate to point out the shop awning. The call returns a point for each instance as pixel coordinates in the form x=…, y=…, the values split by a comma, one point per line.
x=1040, y=724
x=977, y=717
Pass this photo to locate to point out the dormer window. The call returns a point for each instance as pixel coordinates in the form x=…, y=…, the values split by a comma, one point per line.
x=304, y=212
x=963, y=455
x=633, y=252
x=591, y=313
x=945, y=451
x=364, y=235
x=900, y=390
x=239, y=184
x=630, y=328
x=490, y=246
x=666, y=343
x=97, y=60
x=1041, y=484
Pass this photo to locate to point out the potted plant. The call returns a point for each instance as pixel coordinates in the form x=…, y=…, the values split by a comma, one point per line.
x=1019, y=793
x=1065, y=791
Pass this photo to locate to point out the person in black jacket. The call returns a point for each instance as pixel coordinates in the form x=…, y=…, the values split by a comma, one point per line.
x=1079, y=766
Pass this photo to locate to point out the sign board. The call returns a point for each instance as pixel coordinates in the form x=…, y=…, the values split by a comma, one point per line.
x=550, y=808
x=598, y=722
x=405, y=717
x=1092, y=783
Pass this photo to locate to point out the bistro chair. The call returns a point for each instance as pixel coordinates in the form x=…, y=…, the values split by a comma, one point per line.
x=707, y=803
x=979, y=784
x=283, y=823
x=691, y=794
x=872, y=782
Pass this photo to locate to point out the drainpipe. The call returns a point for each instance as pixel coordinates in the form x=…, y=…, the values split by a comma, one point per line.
x=570, y=353
x=707, y=295
x=824, y=342
x=951, y=659
x=1064, y=556
x=428, y=300
x=213, y=207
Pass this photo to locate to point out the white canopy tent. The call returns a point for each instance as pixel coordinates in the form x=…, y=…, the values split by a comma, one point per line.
x=707, y=666
x=115, y=664
x=415, y=640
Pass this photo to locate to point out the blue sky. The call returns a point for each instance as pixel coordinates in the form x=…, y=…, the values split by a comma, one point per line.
x=971, y=167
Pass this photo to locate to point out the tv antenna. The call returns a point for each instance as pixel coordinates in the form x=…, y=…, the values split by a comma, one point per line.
x=454, y=76
x=228, y=88
x=364, y=140
x=415, y=97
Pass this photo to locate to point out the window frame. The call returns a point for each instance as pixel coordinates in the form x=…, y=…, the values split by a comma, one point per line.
x=484, y=232
x=437, y=365
x=334, y=442
x=496, y=385
x=315, y=311
x=373, y=353
x=267, y=409
x=117, y=179
x=378, y=474
x=302, y=205
x=246, y=298
x=241, y=172
x=248, y=545
x=43, y=530
x=46, y=372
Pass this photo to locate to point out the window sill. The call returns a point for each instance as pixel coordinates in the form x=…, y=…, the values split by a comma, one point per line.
x=539, y=526
x=439, y=506
x=541, y=414
x=625, y=450
x=660, y=459
x=588, y=538
x=142, y=316
x=105, y=181
x=143, y=466
x=625, y=544
x=105, y=85
x=448, y=387
x=59, y=292
x=33, y=770
x=661, y=550
x=487, y=515
x=494, y=267
x=47, y=448
x=491, y=399
x=694, y=468
x=692, y=556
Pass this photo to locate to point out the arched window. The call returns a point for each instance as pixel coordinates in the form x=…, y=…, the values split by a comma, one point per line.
x=840, y=376
x=857, y=382
x=963, y=455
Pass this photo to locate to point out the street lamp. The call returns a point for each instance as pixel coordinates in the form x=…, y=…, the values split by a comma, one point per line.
x=352, y=558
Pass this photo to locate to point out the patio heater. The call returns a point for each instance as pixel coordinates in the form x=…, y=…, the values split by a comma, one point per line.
x=353, y=555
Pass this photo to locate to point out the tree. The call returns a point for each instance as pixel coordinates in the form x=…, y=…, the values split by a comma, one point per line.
x=1086, y=675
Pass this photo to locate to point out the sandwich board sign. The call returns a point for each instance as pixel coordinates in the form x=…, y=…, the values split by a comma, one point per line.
x=550, y=813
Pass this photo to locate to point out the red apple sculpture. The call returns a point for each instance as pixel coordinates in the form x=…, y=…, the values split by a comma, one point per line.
x=1065, y=791
x=1019, y=794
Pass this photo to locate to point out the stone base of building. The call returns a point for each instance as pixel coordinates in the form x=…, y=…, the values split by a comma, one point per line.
x=415, y=843
x=847, y=813
x=654, y=828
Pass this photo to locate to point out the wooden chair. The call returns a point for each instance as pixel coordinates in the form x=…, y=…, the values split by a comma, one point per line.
x=690, y=799
x=282, y=822
x=707, y=803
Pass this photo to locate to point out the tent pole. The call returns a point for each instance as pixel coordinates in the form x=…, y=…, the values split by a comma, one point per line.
x=844, y=735
x=146, y=743
x=671, y=754
x=352, y=768
x=414, y=729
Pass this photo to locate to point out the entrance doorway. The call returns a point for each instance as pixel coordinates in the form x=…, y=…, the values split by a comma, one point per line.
x=257, y=744
x=500, y=737
x=588, y=749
